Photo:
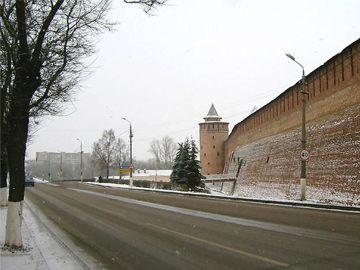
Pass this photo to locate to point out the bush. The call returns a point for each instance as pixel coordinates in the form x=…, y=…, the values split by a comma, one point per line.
x=141, y=183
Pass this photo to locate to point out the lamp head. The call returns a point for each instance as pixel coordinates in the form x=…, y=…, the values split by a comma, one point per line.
x=290, y=56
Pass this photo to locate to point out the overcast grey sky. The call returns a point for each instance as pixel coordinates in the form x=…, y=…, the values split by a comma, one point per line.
x=163, y=72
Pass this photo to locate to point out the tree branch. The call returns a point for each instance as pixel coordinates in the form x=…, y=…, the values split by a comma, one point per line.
x=43, y=31
x=148, y=4
x=22, y=33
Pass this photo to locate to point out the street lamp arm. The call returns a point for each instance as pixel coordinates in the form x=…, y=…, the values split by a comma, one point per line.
x=293, y=58
x=123, y=118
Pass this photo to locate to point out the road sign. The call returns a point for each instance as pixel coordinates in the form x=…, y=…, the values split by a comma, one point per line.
x=304, y=155
x=125, y=168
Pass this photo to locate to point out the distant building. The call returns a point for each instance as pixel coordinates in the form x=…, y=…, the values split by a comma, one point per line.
x=55, y=166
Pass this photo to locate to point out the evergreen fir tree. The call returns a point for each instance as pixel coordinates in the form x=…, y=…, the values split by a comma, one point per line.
x=174, y=177
x=186, y=169
x=193, y=168
x=184, y=161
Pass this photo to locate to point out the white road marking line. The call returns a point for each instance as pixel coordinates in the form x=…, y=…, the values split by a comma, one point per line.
x=238, y=251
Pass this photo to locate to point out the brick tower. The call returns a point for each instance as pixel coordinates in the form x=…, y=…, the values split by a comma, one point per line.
x=213, y=134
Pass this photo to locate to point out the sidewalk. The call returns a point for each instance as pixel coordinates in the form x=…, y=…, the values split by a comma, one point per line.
x=42, y=249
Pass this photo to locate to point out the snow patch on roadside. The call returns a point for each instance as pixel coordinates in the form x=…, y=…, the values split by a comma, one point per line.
x=40, y=250
x=113, y=185
x=290, y=193
x=39, y=180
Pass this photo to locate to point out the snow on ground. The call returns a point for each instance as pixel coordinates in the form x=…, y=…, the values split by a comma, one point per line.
x=39, y=180
x=42, y=249
x=152, y=172
x=113, y=185
x=143, y=174
x=282, y=192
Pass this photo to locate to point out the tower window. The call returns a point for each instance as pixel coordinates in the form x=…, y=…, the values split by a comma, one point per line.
x=204, y=154
x=208, y=163
x=214, y=146
x=213, y=137
x=218, y=154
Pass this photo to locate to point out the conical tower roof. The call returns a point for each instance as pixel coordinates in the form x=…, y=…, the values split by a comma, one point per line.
x=212, y=111
x=212, y=115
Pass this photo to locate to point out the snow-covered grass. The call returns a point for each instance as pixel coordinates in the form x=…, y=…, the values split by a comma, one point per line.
x=152, y=172
x=142, y=174
x=290, y=193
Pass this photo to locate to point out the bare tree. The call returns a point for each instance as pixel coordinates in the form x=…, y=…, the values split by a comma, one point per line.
x=164, y=152
x=121, y=153
x=155, y=151
x=168, y=152
x=104, y=150
x=44, y=43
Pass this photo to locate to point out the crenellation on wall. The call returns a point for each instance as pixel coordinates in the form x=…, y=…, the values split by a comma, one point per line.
x=263, y=150
x=332, y=76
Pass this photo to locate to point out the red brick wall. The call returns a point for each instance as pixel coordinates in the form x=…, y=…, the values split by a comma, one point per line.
x=269, y=140
x=283, y=112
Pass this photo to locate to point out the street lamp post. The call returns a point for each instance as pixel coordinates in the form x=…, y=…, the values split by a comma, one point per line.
x=81, y=161
x=303, y=131
x=61, y=167
x=130, y=137
x=49, y=173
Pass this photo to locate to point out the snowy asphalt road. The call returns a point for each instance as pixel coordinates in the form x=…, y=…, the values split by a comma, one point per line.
x=143, y=230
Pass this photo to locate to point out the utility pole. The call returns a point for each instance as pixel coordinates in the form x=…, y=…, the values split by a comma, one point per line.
x=119, y=159
x=81, y=161
x=61, y=170
x=131, y=161
x=131, y=135
x=303, y=133
x=49, y=173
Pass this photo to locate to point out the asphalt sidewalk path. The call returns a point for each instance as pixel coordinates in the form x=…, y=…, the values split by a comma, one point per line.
x=127, y=229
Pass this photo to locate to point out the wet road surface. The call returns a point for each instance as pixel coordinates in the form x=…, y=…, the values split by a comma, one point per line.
x=129, y=229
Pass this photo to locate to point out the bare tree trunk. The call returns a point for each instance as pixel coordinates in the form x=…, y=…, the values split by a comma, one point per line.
x=18, y=125
x=13, y=237
x=16, y=160
x=4, y=171
x=3, y=156
x=3, y=182
x=107, y=171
